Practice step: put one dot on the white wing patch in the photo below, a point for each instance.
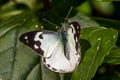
(36, 47)
(59, 63)
(41, 42)
(48, 43)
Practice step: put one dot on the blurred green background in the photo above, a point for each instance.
(104, 12)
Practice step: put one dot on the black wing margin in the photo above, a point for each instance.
(28, 39)
(40, 41)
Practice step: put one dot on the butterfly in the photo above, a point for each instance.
(60, 51)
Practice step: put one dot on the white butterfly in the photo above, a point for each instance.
(60, 51)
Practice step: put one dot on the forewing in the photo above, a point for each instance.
(73, 46)
(73, 35)
(42, 42)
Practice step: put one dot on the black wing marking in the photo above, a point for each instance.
(76, 31)
(40, 41)
(75, 26)
(70, 39)
(28, 39)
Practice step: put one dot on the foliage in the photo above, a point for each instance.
(99, 39)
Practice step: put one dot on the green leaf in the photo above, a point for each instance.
(109, 23)
(85, 8)
(84, 21)
(35, 73)
(101, 40)
(7, 46)
(6, 60)
(104, 8)
(9, 31)
(17, 61)
(113, 57)
(48, 74)
(29, 3)
(8, 10)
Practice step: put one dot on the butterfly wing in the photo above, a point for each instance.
(73, 33)
(56, 55)
(73, 46)
(66, 58)
(42, 42)
(58, 62)
(49, 46)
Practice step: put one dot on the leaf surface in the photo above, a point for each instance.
(101, 40)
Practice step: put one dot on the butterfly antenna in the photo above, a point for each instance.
(49, 22)
(68, 14)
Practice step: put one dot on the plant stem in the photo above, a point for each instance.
(61, 76)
